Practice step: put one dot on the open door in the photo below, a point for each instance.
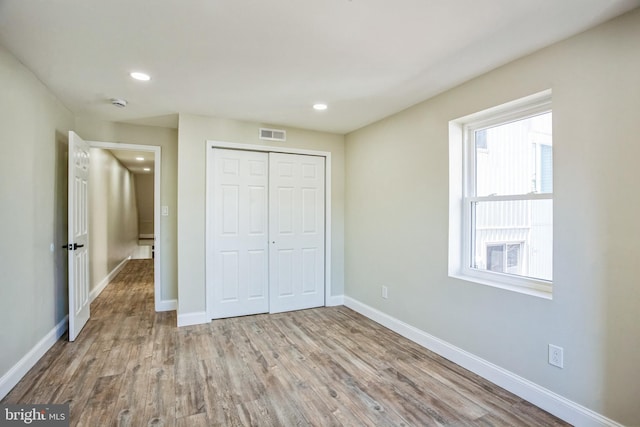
(78, 235)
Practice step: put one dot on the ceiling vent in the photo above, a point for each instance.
(273, 134)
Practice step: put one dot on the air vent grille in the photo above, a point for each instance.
(273, 134)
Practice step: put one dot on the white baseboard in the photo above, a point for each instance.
(196, 318)
(335, 300)
(20, 369)
(167, 305)
(104, 282)
(551, 402)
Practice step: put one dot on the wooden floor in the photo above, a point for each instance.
(325, 367)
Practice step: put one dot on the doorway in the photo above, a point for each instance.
(151, 242)
(268, 227)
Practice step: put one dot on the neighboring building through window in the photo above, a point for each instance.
(546, 170)
(506, 197)
(504, 258)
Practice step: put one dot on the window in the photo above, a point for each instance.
(504, 257)
(501, 230)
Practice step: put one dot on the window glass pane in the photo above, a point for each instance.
(508, 160)
(513, 255)
(513, 237)
(546, 169)
(495, 258)
(513, 259)
(481, 139)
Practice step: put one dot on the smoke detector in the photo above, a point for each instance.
(120, 103)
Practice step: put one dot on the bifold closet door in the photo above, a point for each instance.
(296, 232)
(240, 224)
(268, 232)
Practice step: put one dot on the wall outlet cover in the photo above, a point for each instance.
(556, 356)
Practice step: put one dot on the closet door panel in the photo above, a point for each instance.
(296, 230)
(240, 223)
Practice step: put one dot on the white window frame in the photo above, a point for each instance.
(462, 193)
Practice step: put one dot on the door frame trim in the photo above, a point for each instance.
(211, 144)
(159, 303)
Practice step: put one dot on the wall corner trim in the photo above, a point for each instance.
(335, 300)
(167, 305)
(104, 282)
(557, 405)
(20, 369)
(195, 318)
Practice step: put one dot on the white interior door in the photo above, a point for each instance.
(240, 221)
(78, 235)
(296, 232)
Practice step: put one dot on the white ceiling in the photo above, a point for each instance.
(270, 60)
(129, 160)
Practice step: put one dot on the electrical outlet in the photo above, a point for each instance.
(556, 356)
(385, 292)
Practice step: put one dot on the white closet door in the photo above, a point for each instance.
(296, 232)
(240, 223)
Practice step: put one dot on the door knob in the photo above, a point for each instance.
(72, 247)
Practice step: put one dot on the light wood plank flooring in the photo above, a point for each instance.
(324, 367)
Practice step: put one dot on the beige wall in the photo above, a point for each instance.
(144, 197)
(397, 174)
(194, 131)
(33, 191)
(96, 130)
(113, 228)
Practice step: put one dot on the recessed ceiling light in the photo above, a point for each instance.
(319, 107)
(140, 76)
(147, 169)
(140, 159)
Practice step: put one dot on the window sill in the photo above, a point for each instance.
(544, 294)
